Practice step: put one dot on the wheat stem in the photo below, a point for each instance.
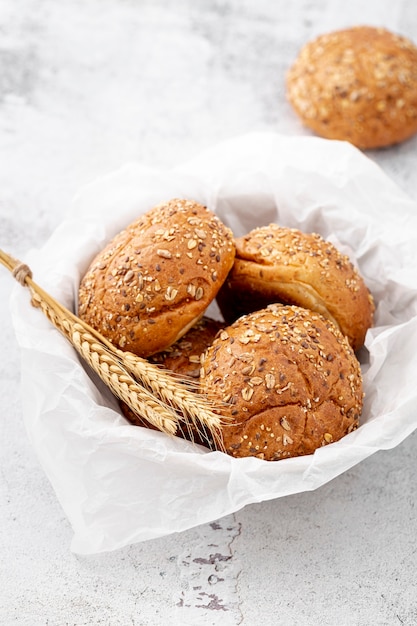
(105, 364)
(164, 401)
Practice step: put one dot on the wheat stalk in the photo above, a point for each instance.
(183, 397)
(165, 401)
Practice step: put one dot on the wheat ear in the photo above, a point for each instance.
(150, 392)
(191, 405)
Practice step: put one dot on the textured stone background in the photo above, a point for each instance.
(85, 86)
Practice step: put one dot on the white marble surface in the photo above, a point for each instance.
(86, 86)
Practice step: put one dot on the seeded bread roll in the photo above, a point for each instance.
(156, 278)
(288, 380)
(358, 85)
(277, 264)
(183, 358)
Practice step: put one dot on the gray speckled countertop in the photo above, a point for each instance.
(85, 86)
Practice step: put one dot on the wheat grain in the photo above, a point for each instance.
(107, 365)
(168, 402)
(123, 385)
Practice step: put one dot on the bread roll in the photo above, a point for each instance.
(156, 278)
(277, 264)
(287, 380)
(184, 356)
(184, 359)
(358, 85)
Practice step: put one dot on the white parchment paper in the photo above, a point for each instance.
(119, 484)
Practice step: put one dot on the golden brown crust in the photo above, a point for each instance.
(288, 380)
(357, 84)
(184, 356)
(155, 279)
(277, 264)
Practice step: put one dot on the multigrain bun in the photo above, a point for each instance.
(184, 356)
(184, 359)
(359, 85)
(156, 278)
(288, 382)
(277, 264)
